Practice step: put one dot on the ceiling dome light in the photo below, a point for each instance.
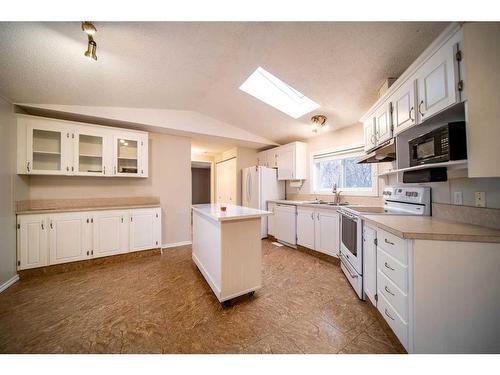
(89, 28)
(318, 122)
(91, 49)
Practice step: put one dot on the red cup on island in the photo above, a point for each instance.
(223, 208)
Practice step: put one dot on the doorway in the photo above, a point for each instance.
(201, 186)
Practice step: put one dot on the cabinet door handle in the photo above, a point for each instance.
(87, 221)
(388, 291)
(51, 226)
(104, 170)
(92, 220)
(72, 169)
(387, 266)
(388, 242)
(87, 253)
(114, 170)
(312, 215)
(28, 166)
(122, 219)
(67, 169)
(419, 110)
(42, 226)
(411, 110)
(386, 313)
(317, 215)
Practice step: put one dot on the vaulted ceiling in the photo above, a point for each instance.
(199, 67)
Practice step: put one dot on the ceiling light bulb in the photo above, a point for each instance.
(318, 122)
(122, 140)
(89, 28)
(91, 49)
(125, 144)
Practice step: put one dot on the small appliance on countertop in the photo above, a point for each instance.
(399, 200)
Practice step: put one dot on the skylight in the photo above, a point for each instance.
(273, 91)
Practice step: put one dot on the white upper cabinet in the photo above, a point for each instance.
(272, 158)
(55, 147)
(437, 83)
(262, 159)
(291, 161)
(403, 107)
(369, 134)
(383, 123)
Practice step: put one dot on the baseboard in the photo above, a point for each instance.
(9, 282)
(175, 244)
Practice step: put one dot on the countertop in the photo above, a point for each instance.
(233, 212)
(309, 204)
(88, 208)
(429, 228)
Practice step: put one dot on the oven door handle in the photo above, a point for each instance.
(346, 264)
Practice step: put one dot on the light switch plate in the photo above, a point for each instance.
(480, 199)
(458, 198)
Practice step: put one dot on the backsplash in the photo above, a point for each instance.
(485, 217)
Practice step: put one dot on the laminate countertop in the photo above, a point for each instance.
(429, 228)
(233, 212)
(88, 208)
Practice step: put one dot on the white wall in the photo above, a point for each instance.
(11, 187)
(169, 178)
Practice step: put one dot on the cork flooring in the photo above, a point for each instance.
(162, 304)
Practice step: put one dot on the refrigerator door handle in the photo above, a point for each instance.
(249, 189)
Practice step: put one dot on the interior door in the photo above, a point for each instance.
(67, 237)
(327, 232)
(370, 263)
(110, 232)
(32, 241)
(404, 114)
(305, 227)
(436, 83)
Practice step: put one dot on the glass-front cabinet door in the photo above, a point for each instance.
(89, 154)
(127, 156)
(46, 147)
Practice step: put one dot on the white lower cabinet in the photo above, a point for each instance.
(318, 230)
(271, 219)
(32, 245)
(370, 263)
(69, 237)
(111, 232)
(47, 239)
(145, 229)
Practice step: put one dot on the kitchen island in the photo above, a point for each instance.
(227, 248)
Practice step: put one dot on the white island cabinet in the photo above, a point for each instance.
(227, 248)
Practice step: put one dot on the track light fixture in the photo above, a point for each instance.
(90, 30)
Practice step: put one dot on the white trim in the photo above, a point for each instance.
(175, 244)
(9, 282)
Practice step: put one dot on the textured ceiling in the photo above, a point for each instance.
(199, 66)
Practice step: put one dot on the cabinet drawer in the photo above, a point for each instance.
(393, 294)
(397, 272)
(398, 326)
(393, 245)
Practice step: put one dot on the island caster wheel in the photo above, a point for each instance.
(251, 294)
(228, 303)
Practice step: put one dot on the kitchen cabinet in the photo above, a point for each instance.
(69, 237)
(327, 232)
(306, 219)
(145, 229)
(437, 82)
(53, 238)
(285, 226)
(383, 123)
(291, 161)
(369, 134)
(226, 183)
(370, 263)
(271, 219)
(57, 147)
(32, 245)
(262, 159)
(111, 232)
(403, 106)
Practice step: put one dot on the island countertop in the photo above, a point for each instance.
(232, 212)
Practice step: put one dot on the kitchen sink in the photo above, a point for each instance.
(328, 203)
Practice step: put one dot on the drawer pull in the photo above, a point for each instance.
(388, 291)
(386, 313)
(387, 266)
(389, 242)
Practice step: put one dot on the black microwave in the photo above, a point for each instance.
(443, 144)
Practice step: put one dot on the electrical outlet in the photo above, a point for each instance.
(458, 198)
(480, 199)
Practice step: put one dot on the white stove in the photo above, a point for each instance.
(397, 201)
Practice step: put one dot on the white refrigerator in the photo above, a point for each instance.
(258, 185)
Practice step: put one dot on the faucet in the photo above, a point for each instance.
(336, 194)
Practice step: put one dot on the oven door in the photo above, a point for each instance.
(350, 240)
